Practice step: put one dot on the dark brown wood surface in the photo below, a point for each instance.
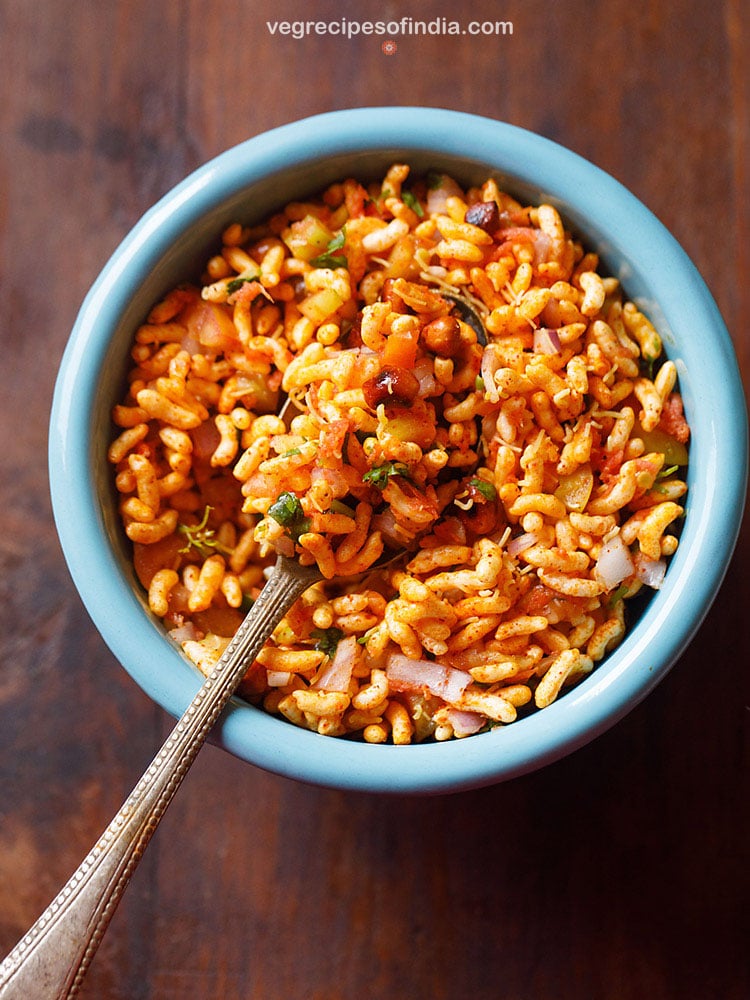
(620, 873)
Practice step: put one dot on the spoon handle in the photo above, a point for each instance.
(50, 961)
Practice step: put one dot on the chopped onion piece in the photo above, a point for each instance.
(524, 541)
(190, 343)
(490, 363)
(614, 564)
(424, 372)
(205, 439)
(650, 571)
(278, 678)
(337, 673)
(438, 196)
(542, 246)
(393, 533)
(546, 341)
(416, 675)
(465, 723)
(187, 632)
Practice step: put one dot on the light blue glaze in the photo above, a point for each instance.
(247, 183)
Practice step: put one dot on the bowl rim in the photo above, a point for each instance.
(715, 500)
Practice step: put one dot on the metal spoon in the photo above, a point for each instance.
(51, 960)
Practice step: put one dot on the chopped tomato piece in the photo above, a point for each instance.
(355, 198)
(149, 559)
(401, 349)
(211, 325)
(254, 682)
(673, 421)
(332, 442)
(222, 620)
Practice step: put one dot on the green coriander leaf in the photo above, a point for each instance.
(487, 490)
(617, 595)
(380, 474)
(236, 283)
(201, 538)
(327, 639)
(339, 507)
(667, 472)
(365, 638)
(287, 511)
(411, 201)
(329, 258)
(338, 240)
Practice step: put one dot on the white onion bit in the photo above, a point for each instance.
(650, 571)
(522, 542)
(614, 564)
(415, 675)
(438, 196)
(465, 723)
(546, 341)
(337, 674)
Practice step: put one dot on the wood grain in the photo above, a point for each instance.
(618, 873)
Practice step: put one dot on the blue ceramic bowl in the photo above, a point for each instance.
(250, 181)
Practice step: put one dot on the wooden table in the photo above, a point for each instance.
(618, 873)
